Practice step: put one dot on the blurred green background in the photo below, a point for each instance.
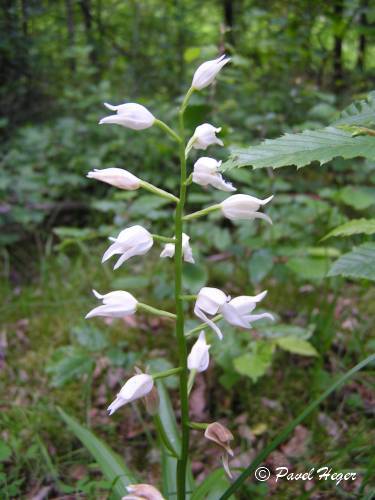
(295, 65)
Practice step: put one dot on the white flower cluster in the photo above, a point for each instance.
(211, 304)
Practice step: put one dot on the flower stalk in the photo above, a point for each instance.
(179, 303)
(160, 192)
(202, 212)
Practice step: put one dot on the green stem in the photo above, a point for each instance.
(166, 373)
(160, 192)
(153, 310)
(181, 342)
(163, 239)
(188, 297)
(199, 426)
(169, 131)
(203, 326)
(191, 380)
(200, 213)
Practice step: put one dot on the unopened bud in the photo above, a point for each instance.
(220, 435)
(142, 492)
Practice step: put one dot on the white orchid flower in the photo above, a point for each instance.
(169, 249)
(209, 301)
(134, 240)
(206, 172)
(129, 115)
(203, 137)
(115, 305)
(237, 311)
(244, 207)
(142, 492)
(136, 387)
(117, 177)
(199, 357)
(207, 72)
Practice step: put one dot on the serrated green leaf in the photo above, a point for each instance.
(356, 226)
(297, 346)
(359, 263)
(302, 149)
(110, 463)
(359, 112)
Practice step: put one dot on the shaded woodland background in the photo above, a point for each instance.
(295, 65)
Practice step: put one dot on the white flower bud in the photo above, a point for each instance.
(244, 207)
(130, 115)
(203, 137)
(117, 177)
(209, 301)
(207, 72)
(169, 249)
(115, 305)
(206, 172)
(199, 357)
(134, 240)
(237, 311)
(136, 387)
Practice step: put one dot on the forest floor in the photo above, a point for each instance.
(48, 358)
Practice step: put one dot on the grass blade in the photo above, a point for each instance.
(289, 428)
(110, 463)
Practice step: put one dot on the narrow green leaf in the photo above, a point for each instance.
(110, 463)
(359, 263)
(168, 421)
(280, 438)
(355, 226)
(297, 346)
(212, 487)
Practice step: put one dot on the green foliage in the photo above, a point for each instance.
(297, 346)
(302, 149)
(355, 226)
(359, 263)
(212, 487)
(309, 146)
(359, 112)
(111, 464)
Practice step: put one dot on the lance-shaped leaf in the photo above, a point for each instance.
(356, 226)
(302, 149)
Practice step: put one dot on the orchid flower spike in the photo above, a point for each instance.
(206, 172)
(237, 311)
(135, 388)
(199, 357)
(244, 207)
(134, 240)
(203, 137)
(129, 115)
(222, 436)
(117, 177)
(169, 249)
(115, 305)
(209, 301)
(142, 492)
(207, 72)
